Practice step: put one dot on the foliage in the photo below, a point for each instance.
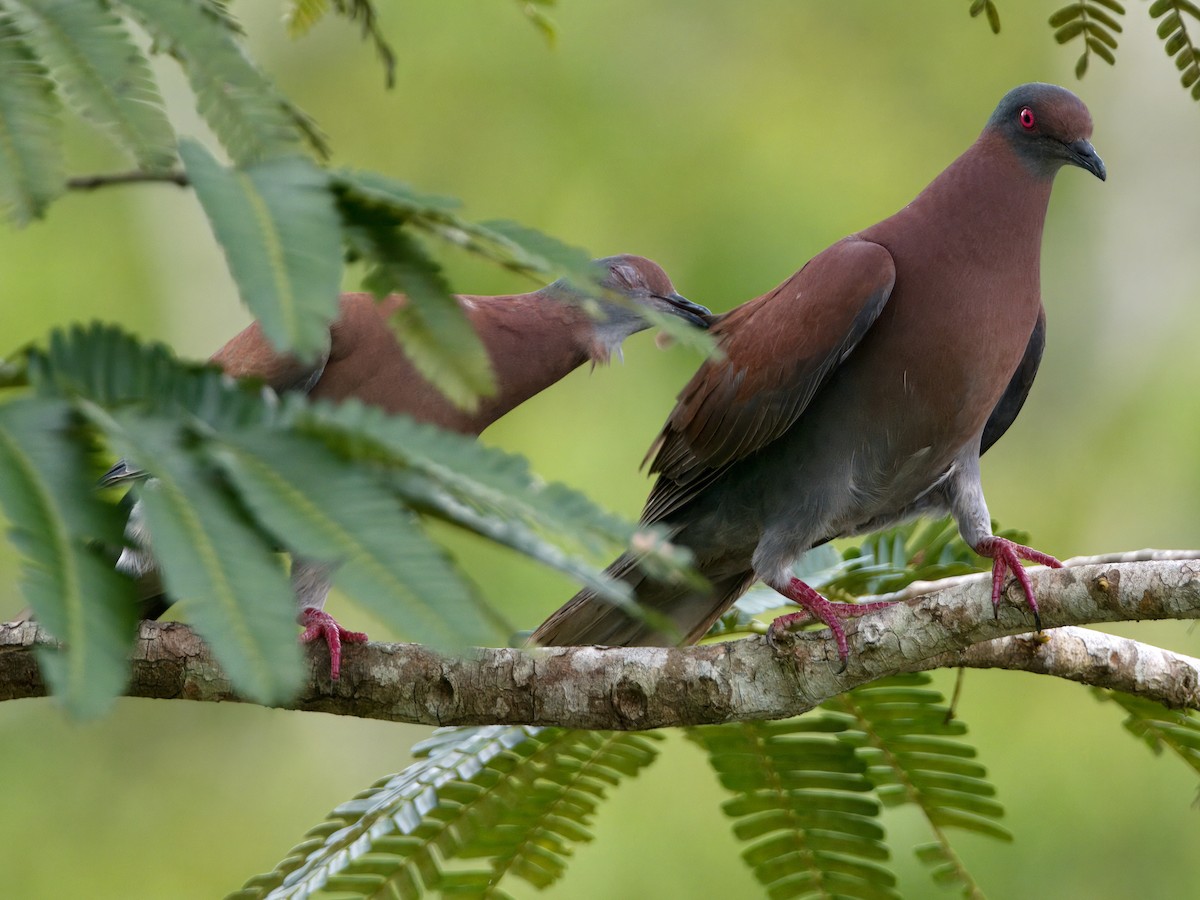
(1159, 728)
(224, 473)
(1095, 23)
(1177, 39)
(800, 805)
(226, 480)
(902, 730)
(808, 793)
(30, 156)
(233, 472)
(993, 15)
(1089, 21)
(77, 592)
(302, 15)
(519, 797)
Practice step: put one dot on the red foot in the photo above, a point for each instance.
(818, 608)
(1006, 556)
(319, 624)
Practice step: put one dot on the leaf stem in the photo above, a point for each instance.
(92, 182)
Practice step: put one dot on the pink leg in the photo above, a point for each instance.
(1006, 556)
(818, 608)
(318, 625)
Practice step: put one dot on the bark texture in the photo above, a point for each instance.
(649, 687)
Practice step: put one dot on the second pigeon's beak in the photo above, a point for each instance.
(1084, 155)
(686, 309)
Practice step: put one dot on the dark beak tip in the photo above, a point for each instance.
(686, 309)
(1087, 158)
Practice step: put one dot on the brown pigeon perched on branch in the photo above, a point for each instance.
(532, 340)
(859, 392)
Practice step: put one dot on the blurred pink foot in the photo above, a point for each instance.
(318, 625)
(1006, 557)
(818, 608)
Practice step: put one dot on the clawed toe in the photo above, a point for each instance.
(817, 608)
(320, 625)
(1006, 557)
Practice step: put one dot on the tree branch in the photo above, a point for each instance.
(919, 588)
(1088, 657)
(91, 182)
(652, 687)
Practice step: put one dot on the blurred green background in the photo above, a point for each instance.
(730, 142)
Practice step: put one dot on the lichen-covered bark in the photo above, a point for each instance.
(648, 687)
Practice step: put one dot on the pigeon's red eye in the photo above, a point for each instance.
(1026, 118)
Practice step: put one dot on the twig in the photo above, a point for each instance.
(91, 182)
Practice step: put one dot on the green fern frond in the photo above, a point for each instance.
(345, 518)
(993, 14)
(239, 103)
(375, 207)
(432, 326)
(1178, 41)
(31, 166)
(232, 481)
(518, 249)
(902, 731)
(802, 805)
(555, 808)
(111, 368)
(1087, 19)
(103, 74)
(1158, 727)
(521, 796)
(57, 522)
(490, 480)
(224, 571)
(391, 817)
(278, 226)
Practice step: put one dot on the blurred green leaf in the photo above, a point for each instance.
(301, 15)
(496, 483)
(278, 227)
(432, 326)
(544, 253)
(327, 510)
(249, 117)
(210, 557)
(1158, 727)
(31, 167)
(57, 522)
(102, 72)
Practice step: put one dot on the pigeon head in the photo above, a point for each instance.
(644, 281)
(1048, 127)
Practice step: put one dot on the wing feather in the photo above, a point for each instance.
(778, 350)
